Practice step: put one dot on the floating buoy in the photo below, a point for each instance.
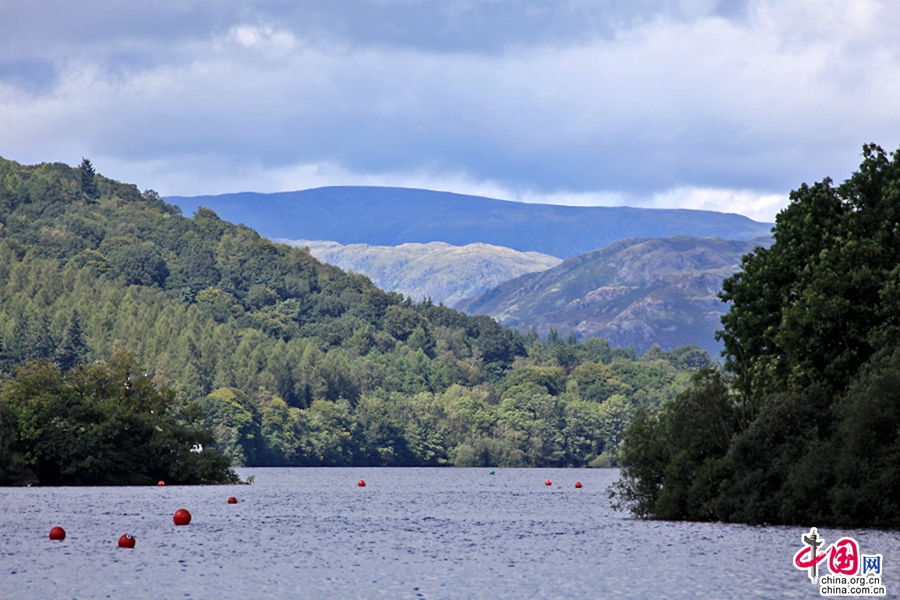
(232, 500)
(548, 482)
(126, 541)
(161, 483)
(578, 484)
(57, 533)
(181, 517)
(362, 483)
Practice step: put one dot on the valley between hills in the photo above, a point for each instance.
(636, 277)
(634, 293)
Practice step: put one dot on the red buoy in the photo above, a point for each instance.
(362, 483)
(181, 517)
(548, 482)
(578, 484)
(232, 500)
(161, 483)
(57, 533)
(126, 541)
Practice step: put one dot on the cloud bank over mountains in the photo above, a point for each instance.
(697, 104)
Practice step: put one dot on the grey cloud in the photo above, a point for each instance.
(537, 96)
(56, 28)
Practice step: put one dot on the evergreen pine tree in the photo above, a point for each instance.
(15, 346)
(553, 338)
(73, 350)
(88, 185)
(4, 356)
(39, 342)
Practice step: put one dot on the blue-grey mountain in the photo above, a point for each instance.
(385, 216)
(635, 292)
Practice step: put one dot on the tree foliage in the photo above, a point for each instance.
(88, 185)
(290, 361)
(99, 424)
(811, 347)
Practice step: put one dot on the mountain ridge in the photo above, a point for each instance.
(439, 271)
(387, 216)
(636, 291)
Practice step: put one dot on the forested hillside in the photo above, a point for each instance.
(804, 428)
(286, 360)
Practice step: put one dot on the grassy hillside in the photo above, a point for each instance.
(394, 216)
(286, 360)
(444, 273)
(636, 292)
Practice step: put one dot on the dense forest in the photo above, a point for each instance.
(804, 425)
(284, 360)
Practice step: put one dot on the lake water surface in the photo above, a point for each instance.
(410, 533)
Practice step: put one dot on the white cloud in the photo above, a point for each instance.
(202, 176)
(758, 206)
(262, 37)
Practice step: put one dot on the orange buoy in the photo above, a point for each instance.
(578, 484)
(126, 541)
(548, 482)
(57, 533)
(181, 517)
(232, 500)
(161, 483)
(362, 483)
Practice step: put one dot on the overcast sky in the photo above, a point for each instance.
(701, 104)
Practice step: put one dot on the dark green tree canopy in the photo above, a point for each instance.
(818, 303)
(812, 412)
(73, 350)
(88, 185)
(100, 424)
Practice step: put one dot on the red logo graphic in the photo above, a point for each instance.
(843, 555)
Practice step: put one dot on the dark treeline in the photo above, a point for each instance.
(804, 427)
(287, 361)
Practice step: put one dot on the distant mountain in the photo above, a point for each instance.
(437, 270)
(385, 216)
(636, 292)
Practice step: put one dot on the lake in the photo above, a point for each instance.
(409, 533)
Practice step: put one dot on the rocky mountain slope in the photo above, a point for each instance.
(437, 270)
(636, 292)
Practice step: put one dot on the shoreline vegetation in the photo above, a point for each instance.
(803, 425)
(283, 360)
(102, 424)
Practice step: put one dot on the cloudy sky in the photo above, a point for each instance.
(724, 105)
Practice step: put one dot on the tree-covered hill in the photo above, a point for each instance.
(291, 361)
(385, 216)
(805, 425)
